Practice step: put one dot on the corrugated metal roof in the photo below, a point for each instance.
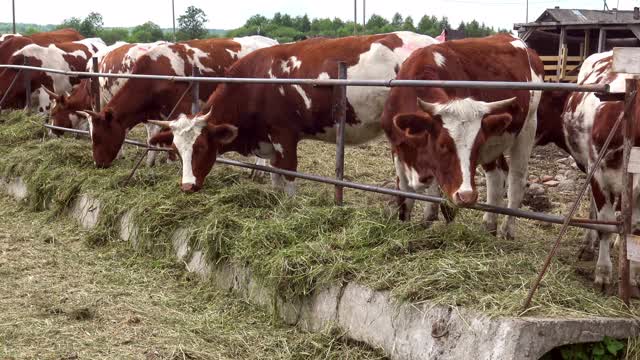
(587, 16)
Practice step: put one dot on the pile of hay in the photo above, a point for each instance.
(297, 244)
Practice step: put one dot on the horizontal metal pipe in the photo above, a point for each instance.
(433, 199)
(581, 223)
(501, 85)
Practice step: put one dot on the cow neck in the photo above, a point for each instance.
(232, 115)
(130, 110)
(550, 127)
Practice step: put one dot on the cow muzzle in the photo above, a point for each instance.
(465, 198)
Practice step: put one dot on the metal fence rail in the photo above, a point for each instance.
(498, 85)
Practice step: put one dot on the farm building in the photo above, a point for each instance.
(565, 37)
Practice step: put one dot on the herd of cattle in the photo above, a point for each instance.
(438, 136)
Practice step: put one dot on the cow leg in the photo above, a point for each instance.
(495, 177)
(255, 174)
(634, 266)
(286, 159)
(606, 212)
(405, 206)
(588, 249)
(431, 210)
(520, 153)
(152, 130)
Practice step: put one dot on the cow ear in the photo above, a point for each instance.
(414, 125)
(496, 124)
(224, 133)
(108, 115)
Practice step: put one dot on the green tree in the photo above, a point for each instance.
(408, 24)
(191, 24)
(146, 33)
(256, 20)
(111, 36)
(376, 23)
(90, 26)
(397, 20)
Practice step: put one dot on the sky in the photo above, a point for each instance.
(232, 14)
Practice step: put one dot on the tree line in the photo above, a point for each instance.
(282, 27)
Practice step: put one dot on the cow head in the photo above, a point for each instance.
(61, 114)
(107, 136)
(447, 139)
(198, 142)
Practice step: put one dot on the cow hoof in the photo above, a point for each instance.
(507, 232)
(491, 228)
(602, 281)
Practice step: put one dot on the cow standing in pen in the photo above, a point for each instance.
(141, 99)
(270, 120)
(580, 126)
(67, 56)
(442, 135)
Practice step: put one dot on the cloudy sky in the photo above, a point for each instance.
(231, 14)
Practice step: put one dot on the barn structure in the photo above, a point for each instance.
(565, 37)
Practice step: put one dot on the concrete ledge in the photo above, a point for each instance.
(403, 331)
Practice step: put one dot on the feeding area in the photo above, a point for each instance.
(297, 245)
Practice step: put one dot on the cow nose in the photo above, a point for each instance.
(466, 197)
(189, 188)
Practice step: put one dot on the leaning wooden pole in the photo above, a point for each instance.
(340, 119)
(95, 85)
(27, 86)
(627, 202)
(195, 93)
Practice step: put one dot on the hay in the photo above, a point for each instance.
(296, 245)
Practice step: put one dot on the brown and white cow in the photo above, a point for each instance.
(141, 99)
(270, 120)
(581, 129)
(442, 135)
(10, 43)
(68, 56)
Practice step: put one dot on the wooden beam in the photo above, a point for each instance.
(635, 29)
(587, 43)
(602, 39)
(562, 46)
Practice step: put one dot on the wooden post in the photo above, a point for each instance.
(561, 53)
(13, 10)
(355, 17)
(195, 92)
(340, 118)
(602, 39)
(587, 43)
(95, 85)
(627, 200)
(27, 86)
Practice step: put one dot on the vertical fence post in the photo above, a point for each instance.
(340, 118)
(627, 189)
(27, 86)
(95, 85)
(195, 92)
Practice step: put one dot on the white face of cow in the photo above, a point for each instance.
(185, 133)
(198, 143)
(454, 142)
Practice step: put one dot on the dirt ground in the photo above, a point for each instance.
(60, 299)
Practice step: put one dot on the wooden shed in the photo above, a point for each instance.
(565, 37)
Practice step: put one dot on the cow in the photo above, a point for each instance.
(69, 56)
(117, 59)
(269, 120)
(140, 99)
(581, 127)
(442, 135)
(10, 43)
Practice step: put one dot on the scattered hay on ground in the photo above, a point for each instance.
(297, 244)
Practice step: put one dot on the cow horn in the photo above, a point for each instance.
(427, 107)
(51, 93)
(498, 106)
(88, 114)
(202, 120)
(162, 123)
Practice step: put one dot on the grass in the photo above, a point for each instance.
(296, 245)
(61, 299)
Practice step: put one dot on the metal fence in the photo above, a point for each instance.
(339, 113)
